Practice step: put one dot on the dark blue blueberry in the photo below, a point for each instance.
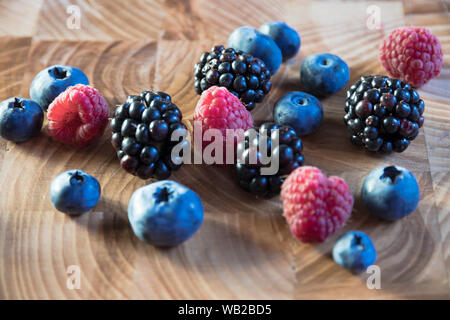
(390, 193)
(74, 192)
(50, 82)
(165, 213)
(286, 38)
(354, 251)
(258, 45)
(299, 110)
(324, 74)
(20, 119)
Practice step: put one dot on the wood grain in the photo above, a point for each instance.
(244, 249)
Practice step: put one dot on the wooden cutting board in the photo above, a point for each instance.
(244, 248)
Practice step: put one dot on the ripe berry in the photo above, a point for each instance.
(383, 114)
(244, 75)
(412, 54)
(219, 109)
(78, 116)
(315, 206)
(288, 153)
(143, 140)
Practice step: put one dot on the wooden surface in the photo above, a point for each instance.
(244, 248)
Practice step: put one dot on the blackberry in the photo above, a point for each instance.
(242, 74)
(141, 134)
(288, 151)
(383, 114)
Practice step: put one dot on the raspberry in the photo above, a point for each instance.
(412, 54)
(78, 115)
(315, 206)
(219, 109)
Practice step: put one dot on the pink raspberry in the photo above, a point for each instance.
(412, 54)
(219, 109)
(315, 206)
(78, 116)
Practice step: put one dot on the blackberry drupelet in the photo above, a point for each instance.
(141, 134)
(383, 114)
(242, 74)
(289, 152)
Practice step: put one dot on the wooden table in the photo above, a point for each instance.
(244, 248)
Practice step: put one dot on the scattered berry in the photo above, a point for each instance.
(383, 114)
(20, 119)
(354, 251)
(286, 38)
(288, 153)
(165, 213)
(219, 109)
(390, 193)
(142, 128)
(324, 74)
(52, 81)
(78, 116)
(74, 192)
(412, 54)
(242, 74)
(315, 206)
(257, 44)
(299, 110)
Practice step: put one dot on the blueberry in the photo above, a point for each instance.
(286, 38)
(20, 119)
(50, 82)
(390, 193)
(258, 45)
(74, 192)
(354, 251)
(299, 110)
(324, 74)
(165, 213)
